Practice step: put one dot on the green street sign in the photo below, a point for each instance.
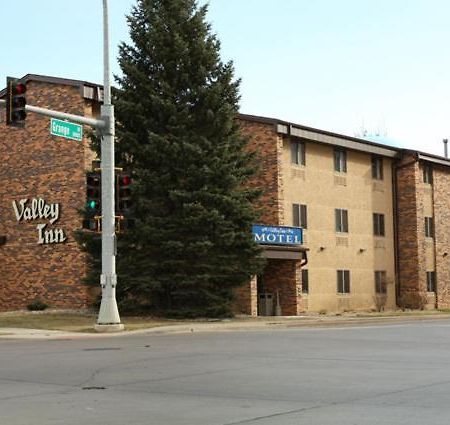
(66, 129)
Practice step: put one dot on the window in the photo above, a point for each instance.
(299, 216)
(378, 224)
(380, 282)
(343, 281)
(340, 160)
(431, 281)
(377, 167)
(305, 281)
(429, 228)
(427, 174)
(341, 217)
(297, 153)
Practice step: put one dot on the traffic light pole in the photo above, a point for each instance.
(108, 318)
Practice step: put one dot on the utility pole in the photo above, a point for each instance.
(108, 318)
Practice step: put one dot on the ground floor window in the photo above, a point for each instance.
(431, 281)
(305, 281)
(380, 282)
(343, 281)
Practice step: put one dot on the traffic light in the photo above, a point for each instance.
(15, 102)
(124, 223)
(93, 192)
(93, 224)
(124, 202)
(93, 202)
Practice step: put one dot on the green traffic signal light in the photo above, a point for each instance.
(92, 204)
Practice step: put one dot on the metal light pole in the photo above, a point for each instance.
(108, 318)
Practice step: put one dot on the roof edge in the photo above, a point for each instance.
(290, 125)
(95, 92)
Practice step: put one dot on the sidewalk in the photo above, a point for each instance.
(237, 324)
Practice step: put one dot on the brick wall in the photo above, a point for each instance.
(268, 146)
(283, 276)
(410, 227)
(246, 298)
(441, 202)
(37, 165)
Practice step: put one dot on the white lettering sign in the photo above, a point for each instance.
(37, 208)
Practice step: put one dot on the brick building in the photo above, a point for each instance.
(43, 187)
(376, 220)
(423, 222)
(325, 183)
(375, 217)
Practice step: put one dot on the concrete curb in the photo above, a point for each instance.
(272, 323)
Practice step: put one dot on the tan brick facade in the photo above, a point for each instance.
(36, 165)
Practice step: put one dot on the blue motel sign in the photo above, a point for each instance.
(277, 235)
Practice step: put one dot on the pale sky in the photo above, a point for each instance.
(342, 66)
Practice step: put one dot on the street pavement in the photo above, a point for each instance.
(391, 373)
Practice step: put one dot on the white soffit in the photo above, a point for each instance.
(335, 141)
(431, 159)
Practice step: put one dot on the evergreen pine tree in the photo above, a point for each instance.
(176, 109)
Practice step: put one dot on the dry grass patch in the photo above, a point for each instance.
(73, 322)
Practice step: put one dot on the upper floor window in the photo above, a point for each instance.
(378, 224)
(427, 174)
(429, 228)
(341, 218)
(343, 281)
(299, 216)
(297, 153)
(431, 281)
(340, 160)
(380, 282)
(377, 167)
(305, 281)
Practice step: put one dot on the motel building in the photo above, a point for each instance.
(345, 224)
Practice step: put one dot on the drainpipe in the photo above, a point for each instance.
(304, 261)
(445, 141)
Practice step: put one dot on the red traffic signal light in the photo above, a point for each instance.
(19, 88)
(124, 180)
(15, 102)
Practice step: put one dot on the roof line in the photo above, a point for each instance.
(55, 80)
(275, 121)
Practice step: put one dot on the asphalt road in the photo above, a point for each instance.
(388, 374)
